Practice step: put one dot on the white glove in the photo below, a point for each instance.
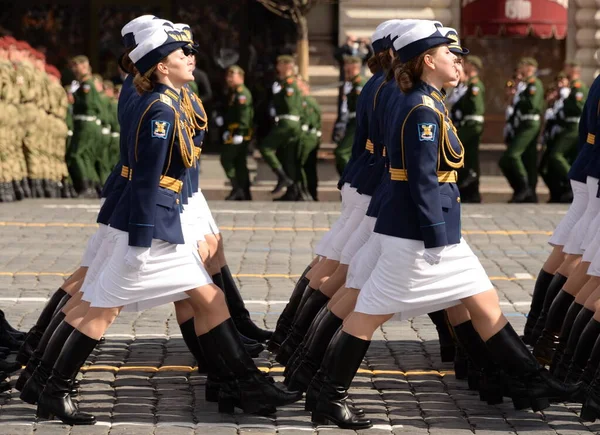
(219, 121)
(276, 88)
(136, 257)
(433, 255)
(458, 114)
(272, 112)
(564, 92)
(305, 127)
(225, 136)
(237, 139)
(105, 130)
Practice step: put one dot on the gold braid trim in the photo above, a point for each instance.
(187, 152)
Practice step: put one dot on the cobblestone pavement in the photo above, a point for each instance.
(141, 380)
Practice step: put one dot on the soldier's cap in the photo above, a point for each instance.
(97, 77)
(108, 84)
(128, 30)
(352, 60)
(418, 38)
(53, 71)
(145, 29)
(118, 87)
(81, 58)
(285, 58)
(528, 61)
(155, 47)
(454, 46)
(572, 63)
(561, 75)
(380, 41)
(192, 48)
(233, 69)
(475, 61)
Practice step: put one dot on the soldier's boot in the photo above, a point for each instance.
(302, 322)
(237, 193)
(49, 188)
(537, 303)
(585, 344)
(247, 193)
(556, 285)
(561, 369)
(292, 194)
(39, 188)
(55, 400)
(444, 335)
(11, 191)
(88, 191)
(523, 192)
(64, 189)
(26, 186)
(546, 345)
(19, 193)
(344, 356)
(282, 180)
(3, 195)
(528, 383)
(286, 318)
(563, 339)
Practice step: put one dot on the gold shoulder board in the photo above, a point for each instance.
(428, 101)
(166, 99)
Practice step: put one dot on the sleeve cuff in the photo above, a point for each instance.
(435, 235)
(140, 235)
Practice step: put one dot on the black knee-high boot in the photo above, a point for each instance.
(591, 370)
(35, 333)
(344, 356)
(301, 377)
(546, 344)
(586, 343)
(284, 323)
(300, 351)
(35, 384)
(237, 308)
(537, 303)
(527, 380)
(445, 338)
(55, 400)
(581, 321)
(188, 332)
(563, 339)
(304, 318)
(555, 286)
(483, 373)
(250, 390)
(34, 361)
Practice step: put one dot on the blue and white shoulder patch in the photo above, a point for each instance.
(160, 129)
(427, 132)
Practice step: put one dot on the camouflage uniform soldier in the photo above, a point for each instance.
(7, 172)
(58, 114)
(352, 88)
(239, 120)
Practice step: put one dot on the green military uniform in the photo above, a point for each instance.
(519, 161)
(344, 149)
(467, 114)
(115, 133)
(309, 142)
(87, 109)
(239, 120)
(287, 101)
(564, 151)
(104, 161)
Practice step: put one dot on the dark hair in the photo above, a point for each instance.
(407, 74)
(374, 64)
(145, 82)
(127, 64)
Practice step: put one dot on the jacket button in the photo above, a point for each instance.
(458, 199)
(177, 201)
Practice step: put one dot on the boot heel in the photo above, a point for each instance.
(319, 419)
(539, 404)
(226, 406)
(521, 403)
(588, 414)
(493, 398)
(44, 414)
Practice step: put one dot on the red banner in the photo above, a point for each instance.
(540, 18)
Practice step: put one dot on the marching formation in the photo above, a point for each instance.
(396, 248)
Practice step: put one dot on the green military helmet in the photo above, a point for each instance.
(561, 75)
(285, 58)
(352, 60)
(573, 63)
(528, 61)
(475, 61)
(79, 59)
(236, 69)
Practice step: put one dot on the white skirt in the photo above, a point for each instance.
(169, 271)
(357, 213)
(580, 230)
(93, 244)
(576, 209)
(358, 239)
(363, 263)
(349, 196)
(592, 247)
(404, 283)
(205, 222)
(100, 261)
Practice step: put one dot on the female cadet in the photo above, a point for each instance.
(111, 194)
(423, 264)
(149, 262)
(322, 267)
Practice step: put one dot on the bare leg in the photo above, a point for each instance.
(363, 326)
(554, 260)
(587, 290)
(335, 281)
(72, 303)
(338, 296)
(324, 272)
(212, 261)
(315, 268)
(183, 311)
(97, 321)
(458, 314)
(210, 308)
(486, 314)
(577, 279)
(569, 264)
(73, 283)
(592, 300)
(345, 306)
